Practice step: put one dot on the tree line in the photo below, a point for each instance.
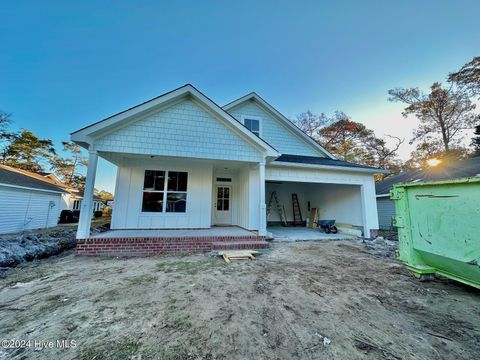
(445, 112)
(25, 150)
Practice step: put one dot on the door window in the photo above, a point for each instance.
(223, 198)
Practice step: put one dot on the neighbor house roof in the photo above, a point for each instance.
(458, 169)
(13, 177)
(253, 96)
(325, 162)
(83, 136)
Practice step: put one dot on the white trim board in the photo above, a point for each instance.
(328, 167)
(33, 189)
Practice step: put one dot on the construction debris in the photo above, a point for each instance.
(37, 244)
(380, 246)
(238, 255)
(326, 340)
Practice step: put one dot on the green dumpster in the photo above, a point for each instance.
(439, 228)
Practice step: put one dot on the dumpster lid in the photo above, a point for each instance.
(439, 182)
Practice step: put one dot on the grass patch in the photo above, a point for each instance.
(82, 317)
(180, 323)
(141, 279)
(22, 276)
(54, 302)
(172, 304)
(111, 294)
(188, 267)
(120, 349)
(175, 352)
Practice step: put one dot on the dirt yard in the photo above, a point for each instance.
(306, 300)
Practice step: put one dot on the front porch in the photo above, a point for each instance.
(145, 242)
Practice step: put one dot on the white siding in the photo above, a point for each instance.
(386, 211)
(274, 132)
(342, 203)
(22, 209)
(184, 129)
(127, 212)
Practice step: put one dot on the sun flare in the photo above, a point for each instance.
(434, 162)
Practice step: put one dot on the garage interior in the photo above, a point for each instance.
(339, 202)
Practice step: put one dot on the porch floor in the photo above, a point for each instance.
(281, 233)
(216, 231)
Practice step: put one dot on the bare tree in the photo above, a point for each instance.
(311, 123)
(443, 113)
(468, 76)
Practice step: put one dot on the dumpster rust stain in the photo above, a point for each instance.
(430, 196)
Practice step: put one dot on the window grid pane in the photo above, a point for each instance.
(253, 125)
(152, 201)
(154, 195)
(176, 202)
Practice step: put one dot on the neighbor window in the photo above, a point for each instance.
(164, 191)
(253, 125)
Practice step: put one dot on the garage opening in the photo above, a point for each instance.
(339, 202)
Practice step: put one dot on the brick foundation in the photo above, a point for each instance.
(147, 246)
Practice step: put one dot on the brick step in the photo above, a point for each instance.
(237, 238)
(240, 245)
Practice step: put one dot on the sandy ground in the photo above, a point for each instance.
(306, 300)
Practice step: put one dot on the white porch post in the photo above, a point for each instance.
(86, 211)
(262, 224)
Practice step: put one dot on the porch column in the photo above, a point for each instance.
(369, 209)
(262, 224)
(86, 210)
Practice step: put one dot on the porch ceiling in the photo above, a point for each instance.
(121, 159)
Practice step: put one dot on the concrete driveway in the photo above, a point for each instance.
(280, 233)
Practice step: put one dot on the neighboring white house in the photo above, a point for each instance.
(73, 199)
(27, 202)
(184, 162)
(386, 206)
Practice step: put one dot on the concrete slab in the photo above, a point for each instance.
(280, 233)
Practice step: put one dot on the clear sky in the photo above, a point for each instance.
(66, 64)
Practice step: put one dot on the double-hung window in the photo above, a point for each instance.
(253, 125)
(165, 191)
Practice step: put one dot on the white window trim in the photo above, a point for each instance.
(165, 193)
(260, 132)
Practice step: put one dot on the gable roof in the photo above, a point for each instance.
(324, 162)
(83, 136)
(278, 115)
(25, 179)
(458, 169)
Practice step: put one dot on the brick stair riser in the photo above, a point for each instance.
(153, 246)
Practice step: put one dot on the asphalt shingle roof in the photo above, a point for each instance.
(459, 169)
(11, 176)
(315, 160)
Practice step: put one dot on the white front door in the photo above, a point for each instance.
(223, 205)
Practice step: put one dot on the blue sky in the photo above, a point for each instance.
(66, 64)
